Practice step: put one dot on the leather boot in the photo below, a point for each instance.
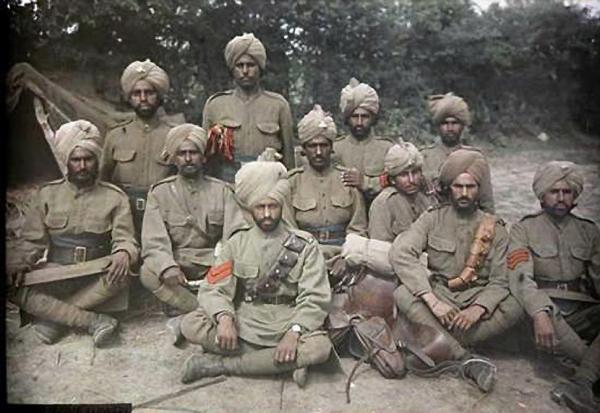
(94, 294)
(256, 363)
(48, 332)
(300, 376)
(481, 371)
(199, 366)
(577, 395)
(102, 329)
(174, 330)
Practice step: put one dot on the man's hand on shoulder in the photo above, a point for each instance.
(119, 267)
(286, 349)
(353, 178)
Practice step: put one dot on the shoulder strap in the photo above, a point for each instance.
(480, 248)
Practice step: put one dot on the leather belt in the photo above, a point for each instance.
(574, 285)
(76, 254)
(137, 197)
(279, 299)
(332, 235)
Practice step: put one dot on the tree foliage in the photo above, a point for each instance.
(533, 65)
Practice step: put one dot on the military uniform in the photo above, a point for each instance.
(446, 237)
(265, 120)
(435, 155)
(326, 208)
(133, 159)
(302, 298)
(75, 225)
(184, 220)
(555, 266)
(392, 212)
(366, 156)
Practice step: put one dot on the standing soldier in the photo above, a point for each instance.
(187, 214)
(322, 205)
(463, 293)
(79, 220)
(241, 123)
(263, 303)
(361, 152)
(554, 264)
(132, 153)
(405, 199)
(450, 115)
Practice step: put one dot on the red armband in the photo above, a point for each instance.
(220, 272)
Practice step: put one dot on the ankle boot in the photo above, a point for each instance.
(48, 332)
(199, 366)
(102, 329)
(481, 371)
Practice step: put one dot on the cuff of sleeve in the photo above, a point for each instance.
(166, 264)
(214, 314)
(130, 249)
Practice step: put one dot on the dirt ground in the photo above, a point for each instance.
(142, 365)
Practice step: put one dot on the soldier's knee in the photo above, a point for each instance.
(314, 349)
(149, 279)
(196, 327)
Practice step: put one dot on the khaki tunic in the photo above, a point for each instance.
(392, 212)
(184, 220)
(558, 251)
(265, 120)
(253, 252)
(60, 208)
(435, 155)
(446, 237)
(366, 156)
(132, 156)
(322, 203)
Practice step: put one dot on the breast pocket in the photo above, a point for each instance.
(304, 204)
(545, 259)
(125, 170)
(440, 253)
(214, 224)
(581, 256)
(269, 131)
(179, 227)
(245, 270)
(56, 223)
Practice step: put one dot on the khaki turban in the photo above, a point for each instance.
(448, 105)
(316, 123)
(245, 44)
(461, 161)
(258, 180)
(358, 95)
(180, 134)
(401, 157)
(552, 172)
(79, 133)
(147, 71)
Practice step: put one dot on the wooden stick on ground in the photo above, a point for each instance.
(179, 392)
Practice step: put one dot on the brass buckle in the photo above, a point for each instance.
(140, 204)
(324, 235)
(562, 286)
(80, 254)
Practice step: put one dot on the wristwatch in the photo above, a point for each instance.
(296, 328)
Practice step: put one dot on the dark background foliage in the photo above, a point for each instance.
(530, 67)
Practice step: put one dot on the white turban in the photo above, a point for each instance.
(401, 157)
(358, 95)
(147, 71)
(448, 105)
(316, 123)
(551, 172)
(79, 133)
(245, 44)
(182, 133)
(258, 180)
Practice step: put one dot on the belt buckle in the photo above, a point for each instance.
(140, 204)
(562, 286)
(80, 254)
(248, 298)
(324, 235)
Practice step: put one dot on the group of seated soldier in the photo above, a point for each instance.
(265, 249)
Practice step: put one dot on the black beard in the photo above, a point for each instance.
(146, 113)
(464, 210)
(557, 212)
(450, 140)
(267, 224)
(361, 133)
(82, 179)
(190, 171)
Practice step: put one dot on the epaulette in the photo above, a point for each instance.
(585, 219)
(122, 122)
(111, 186)
(441, 205)
(221, 93)
(469, 148)
(163, 181)
(306, 236)
(218, 181)
(55, 182)
(295, 171)
(386, 138)
(275, 96)
(388, 192)
(340, 138)
(534, 214)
